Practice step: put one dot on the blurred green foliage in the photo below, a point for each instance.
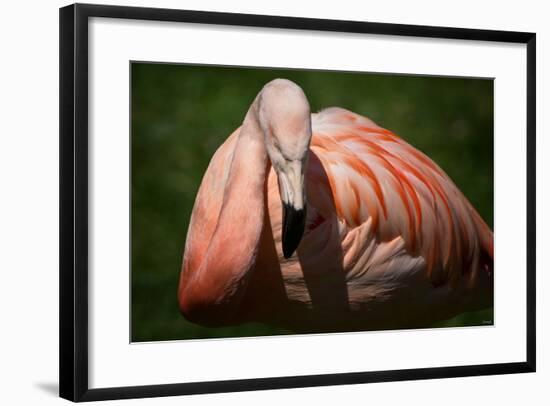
(181, 114)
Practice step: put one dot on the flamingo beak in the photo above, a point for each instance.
(294, 221)
(291, 185)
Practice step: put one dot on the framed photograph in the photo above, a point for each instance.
(256, 202)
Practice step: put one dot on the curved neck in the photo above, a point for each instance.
(242, 211)
(224, 270)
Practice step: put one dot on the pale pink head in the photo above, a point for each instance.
(285, 119)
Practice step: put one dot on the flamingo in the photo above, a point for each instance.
(327, 222)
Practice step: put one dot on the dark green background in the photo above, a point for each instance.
(181, 114)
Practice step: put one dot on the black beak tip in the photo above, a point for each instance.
(287, 251)
(294, 221)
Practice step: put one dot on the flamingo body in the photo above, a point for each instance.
(389, 240)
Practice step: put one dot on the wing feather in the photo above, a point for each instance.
(381, 183)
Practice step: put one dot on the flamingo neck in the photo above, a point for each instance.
(233, 248)
(242, 213)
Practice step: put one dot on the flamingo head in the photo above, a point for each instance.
(285, 120)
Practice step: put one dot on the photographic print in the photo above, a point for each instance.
(280, 201)
(219, 208)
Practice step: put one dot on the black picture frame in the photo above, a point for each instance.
(73, 253)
